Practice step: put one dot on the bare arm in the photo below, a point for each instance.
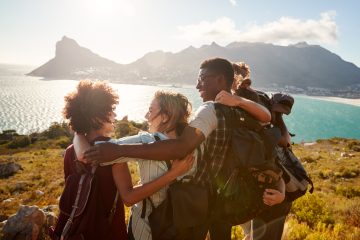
(80, 145)
(131, 195)
(285, 139)
(256, 110)
(159, 150)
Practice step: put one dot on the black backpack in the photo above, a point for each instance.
(249, 168)
(295, 176)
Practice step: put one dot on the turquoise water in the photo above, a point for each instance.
(30, 104)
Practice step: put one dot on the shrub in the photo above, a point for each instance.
(19, 142)
(348, 192)
(312, 210)
(352, 214)
(297, 231)
(57, 130)
(125, 128)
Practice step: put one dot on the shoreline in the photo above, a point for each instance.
(349, 101)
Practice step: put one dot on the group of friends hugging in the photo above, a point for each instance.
(195, 148)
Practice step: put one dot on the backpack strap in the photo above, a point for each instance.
(143, 209)
(306, 177)
(74, 207)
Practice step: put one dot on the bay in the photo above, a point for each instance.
(29, 104)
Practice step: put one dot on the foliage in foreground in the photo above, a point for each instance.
(332, 212)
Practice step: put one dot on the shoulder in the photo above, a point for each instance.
(205, 118)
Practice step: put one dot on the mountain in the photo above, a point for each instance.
(300, 67)
(73, 61)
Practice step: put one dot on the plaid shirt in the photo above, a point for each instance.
(211, 154)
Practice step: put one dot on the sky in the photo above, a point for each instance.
(125, 30)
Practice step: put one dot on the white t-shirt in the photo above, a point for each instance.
(205, 118)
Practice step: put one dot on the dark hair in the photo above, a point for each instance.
(89, 106)
(220, 66)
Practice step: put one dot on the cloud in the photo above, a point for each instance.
(283, 31)
(233, 2)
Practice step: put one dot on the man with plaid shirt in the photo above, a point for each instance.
(207, 132)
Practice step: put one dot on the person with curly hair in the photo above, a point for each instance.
(89, 111)
(167, 117)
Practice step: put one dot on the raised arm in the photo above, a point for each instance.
(256, 110)
(159, 150)
(131, 195)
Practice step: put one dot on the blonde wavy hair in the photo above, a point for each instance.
(241, 72)
(176, 107)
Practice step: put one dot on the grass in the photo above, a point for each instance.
(332, 212)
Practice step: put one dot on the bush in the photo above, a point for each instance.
(57, 130)
(352, 214)
(19, 142)
(311, 209)
(348, 192)
(297, 231)
(63, 142)
(125, 128)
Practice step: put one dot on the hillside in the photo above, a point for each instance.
(298, 68)
(331, 212)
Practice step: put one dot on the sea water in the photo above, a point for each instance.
(29, 104)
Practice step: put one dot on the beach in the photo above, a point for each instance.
(354, 102)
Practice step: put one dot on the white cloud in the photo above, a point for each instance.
(233, 2)
(285, 30)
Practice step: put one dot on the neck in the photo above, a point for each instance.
(171, 134)
(93, 134)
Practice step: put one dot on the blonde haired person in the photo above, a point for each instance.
(167, 117)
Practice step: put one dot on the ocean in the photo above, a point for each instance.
(29, 104)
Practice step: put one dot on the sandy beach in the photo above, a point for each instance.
(354, 102)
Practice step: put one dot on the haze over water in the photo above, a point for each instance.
(30, 104)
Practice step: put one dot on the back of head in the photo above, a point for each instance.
(89, 106)
(220, 66)
(241, 73)
(176, 107)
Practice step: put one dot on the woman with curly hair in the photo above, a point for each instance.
(89, 111)
(167, 116)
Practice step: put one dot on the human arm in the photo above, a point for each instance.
(275, 196)
(256, 110)
(131, 195)
(81, 144)
(285, 139)
(158, 150)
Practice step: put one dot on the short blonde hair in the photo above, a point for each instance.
(176, 107)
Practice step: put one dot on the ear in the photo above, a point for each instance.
(164, 118)
(221, 82)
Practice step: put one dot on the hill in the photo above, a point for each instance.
(298, 68)
(331, 212)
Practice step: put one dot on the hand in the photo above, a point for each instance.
(272, 197)
(182, 166)
(227, 98)
(104, 152)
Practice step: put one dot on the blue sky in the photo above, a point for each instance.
(124, 30)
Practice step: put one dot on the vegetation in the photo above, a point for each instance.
(331, 212)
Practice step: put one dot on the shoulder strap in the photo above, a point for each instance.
(74, 207)
(143, 209)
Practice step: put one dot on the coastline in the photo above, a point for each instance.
(349, 101)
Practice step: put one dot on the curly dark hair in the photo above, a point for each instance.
(89, 106)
